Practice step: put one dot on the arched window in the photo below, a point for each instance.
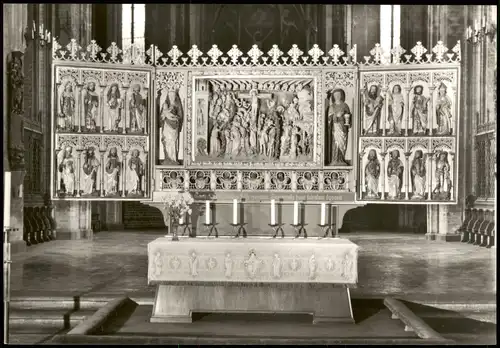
(133, 23)
(390, 27)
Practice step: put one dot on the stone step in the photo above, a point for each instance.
(37, 319)
(56, 303)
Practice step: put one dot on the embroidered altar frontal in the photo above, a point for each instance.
(253, 260)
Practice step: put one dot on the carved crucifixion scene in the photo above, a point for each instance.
(254, 120)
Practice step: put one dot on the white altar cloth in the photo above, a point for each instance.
(252, 260)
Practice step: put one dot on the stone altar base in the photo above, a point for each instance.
(259, 275)
(176, 303)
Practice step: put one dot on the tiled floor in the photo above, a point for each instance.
(402, 265)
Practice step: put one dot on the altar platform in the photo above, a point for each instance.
(256, 275)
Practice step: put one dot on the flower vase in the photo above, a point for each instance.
(174, 225)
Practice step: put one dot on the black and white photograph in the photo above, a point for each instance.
(249, 174)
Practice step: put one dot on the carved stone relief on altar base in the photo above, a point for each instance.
(340, 94)
(101, 101)
(413, 103)
(261, 120)
(171, 101)
(173, 180)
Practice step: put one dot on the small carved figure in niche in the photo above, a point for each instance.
(419, 111)
(294, 143)
(254, 102)
(338, 127)
(245, 139)
(292, 111)
(235, 139)
(67, 170)
(114, 102)
(373, 106)
(113, 170)
(276, 266)
(313, 266)
(253, 138)
(418, 172)
(202, 147)
(286, 139)
(137, 110)
(396, 107)
(134, 182)
(395, 171)
(264, 137)
(443, 111)
(228, 266)
(90, 166)
(91, 106)
(67, 104)
(272, 134)
(254, 181)
(215, 143)
(200, 120)
(372, 174)
(309, 143)
(17, 83)
(442, 189)
(171, 117)
(200, 180)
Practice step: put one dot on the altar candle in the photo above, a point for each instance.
(295, 213)
(323, 214)
(476, 25)
(181, 219)
(235, 211)
(207, 216)
(6, 200)
(273, 212)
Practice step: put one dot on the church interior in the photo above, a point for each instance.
(298, 174)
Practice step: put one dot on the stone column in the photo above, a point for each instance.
(407, 107)
(124, 175)
(386, 111)
(73, 219)
(430, 169)
(450, 220)
(408, 175)
(430, 110)
(382, 174)
(78, 170)
(125, 110)
(15, 19)
(114, 215)
(361, 176)
(79, 109)
(102, 151)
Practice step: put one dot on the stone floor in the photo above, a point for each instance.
(402, 265)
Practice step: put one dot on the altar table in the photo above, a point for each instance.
(258, 275)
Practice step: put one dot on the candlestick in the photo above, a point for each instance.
(299, 228)
(6, 200)
(277, 228)
(323, 213)
(211, 228)
(295, 213)
(207, 214)
(273, 212)
(235, 211)
(239, 229)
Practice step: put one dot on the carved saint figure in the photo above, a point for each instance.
(418, 172)
(215, 144)
(396, 107)
(135, 173)
(395, 170)
(294, 143)
(286, 139)
(228, 266)
(113, 169)
(443, 111)
(419, 111)
(443, 180)
(254, 103)
(171, 117)
(114, 108)
(338, 127)
(276, 266)
(91, 106)
(372, 174)
(137, 110)
(90, 166)
(373, 107)
(67, 170)
(17, 83)
(235, 139)
(67, 105)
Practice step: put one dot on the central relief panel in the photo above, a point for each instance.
(266, 119)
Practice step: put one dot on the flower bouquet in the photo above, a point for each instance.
(176, 205)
